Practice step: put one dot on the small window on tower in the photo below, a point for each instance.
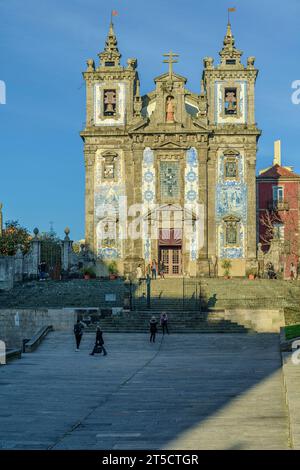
(230, 169)
(109, 64)
(230, 101)
(110, 102)
(231, 233)
(230, 61)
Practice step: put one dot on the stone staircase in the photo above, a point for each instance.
(179, 322)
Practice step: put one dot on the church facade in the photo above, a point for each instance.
(171, 175)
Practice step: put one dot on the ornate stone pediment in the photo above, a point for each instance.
(231, 153)
(169, 145)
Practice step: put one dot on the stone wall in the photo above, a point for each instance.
(6, 272)
(18, 324)
(20, 267)
(261, 321)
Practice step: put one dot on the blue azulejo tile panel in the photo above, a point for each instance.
(231, 201)
(149, 195)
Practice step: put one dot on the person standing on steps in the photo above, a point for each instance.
(154, 269)
(162, 269)
(293, 272)
(78, 332)
(164, 322)
(139, 274)
(99, 343)
(153, 329)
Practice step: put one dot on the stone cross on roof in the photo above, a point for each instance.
(170, 61)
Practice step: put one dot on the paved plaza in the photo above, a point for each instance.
(183, 392)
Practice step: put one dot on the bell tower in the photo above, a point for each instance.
(230, 89)
(112, 102)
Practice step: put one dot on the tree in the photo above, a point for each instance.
(269, 220)
(13, 236)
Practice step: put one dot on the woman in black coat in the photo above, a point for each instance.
(153, 329)
(99, 344)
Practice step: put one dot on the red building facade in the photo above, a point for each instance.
(278, 193)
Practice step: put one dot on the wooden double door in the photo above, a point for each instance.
(172, 258)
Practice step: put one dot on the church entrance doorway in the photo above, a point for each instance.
(170, 250)
(171, 257)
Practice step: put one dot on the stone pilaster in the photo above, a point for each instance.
(90, 229)
(66, 251)
(251, 218)
(18, 266)
(35, 254)
(211, 197)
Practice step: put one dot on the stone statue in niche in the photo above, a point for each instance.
(230, 101)
(170, 109)
(110, 102)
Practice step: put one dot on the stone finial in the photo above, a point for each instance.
(36, 232)
(208, 62)
(67, 233)
(229, 38)
(230, 55)
(251, 61)
(90, 65)
(132, 63)
(111, 55)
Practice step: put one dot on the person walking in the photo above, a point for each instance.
(148, 270)
(162, 269)
(78, 332)
(154, 269)
(164, 322)
(293, 272)
(139, 274)
(99, 343)
(153, 329)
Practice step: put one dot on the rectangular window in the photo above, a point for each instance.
(230, 61)
(230, 101)
(230, 169)
(231, 234)
(169, 180)
(278, 193)
(279, 232)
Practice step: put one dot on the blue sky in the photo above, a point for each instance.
(44, 45)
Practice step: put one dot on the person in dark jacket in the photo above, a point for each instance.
(153, 329)
(162, 269)
(164, 322)
(99, 344)
(78, 332)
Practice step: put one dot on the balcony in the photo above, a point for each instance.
(278, 206)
